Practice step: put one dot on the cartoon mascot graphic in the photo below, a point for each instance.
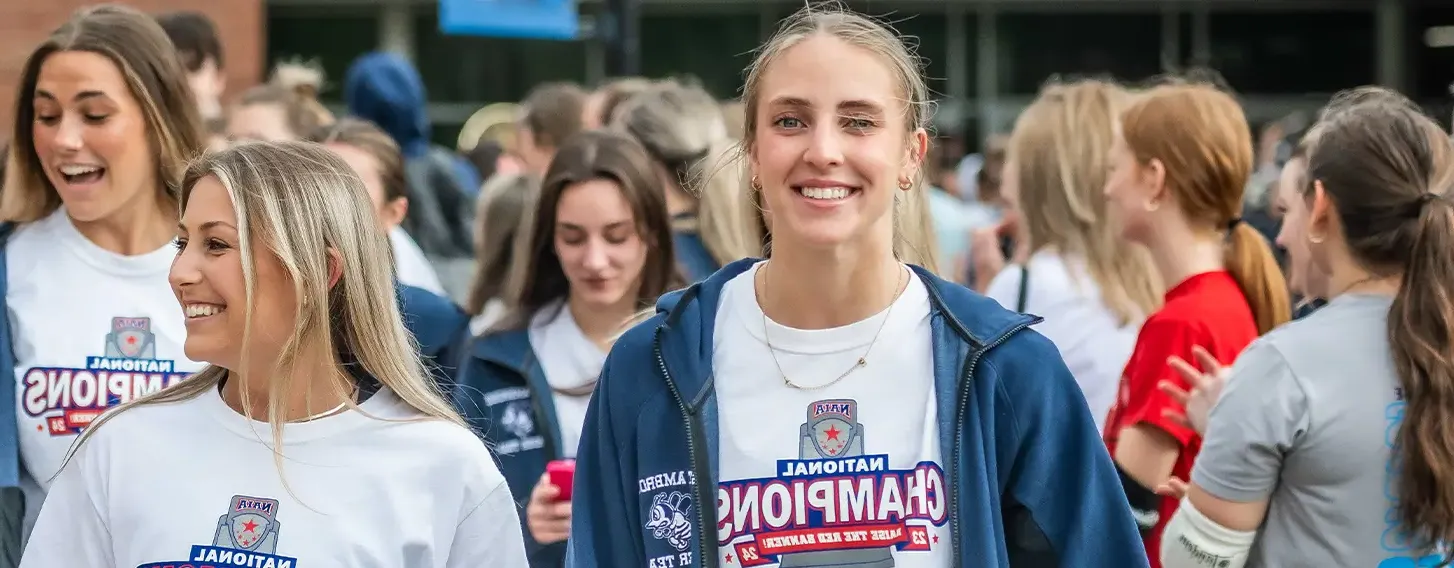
(669, 519)
(832, 431)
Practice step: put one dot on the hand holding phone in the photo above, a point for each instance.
(562, 475)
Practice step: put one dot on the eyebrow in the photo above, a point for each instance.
(858, 105)
(83, 95)
(207, 225)
(616, 225)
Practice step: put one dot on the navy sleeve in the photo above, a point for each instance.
(439, 327)
(602, 532)
(1063, 504)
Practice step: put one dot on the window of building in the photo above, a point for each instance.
(1035, 47)
(1291, 53)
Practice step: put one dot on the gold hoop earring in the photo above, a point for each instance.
(1152, 206)
(906, 184)
(756, 185)
(1315, 239)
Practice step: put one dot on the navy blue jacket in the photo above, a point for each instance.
(503, 394)
(695, 261)
(1030, 481)
(439, 327)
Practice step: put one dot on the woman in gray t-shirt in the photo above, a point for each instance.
(1305, 460)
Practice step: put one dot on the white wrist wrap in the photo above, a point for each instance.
(1191, 540)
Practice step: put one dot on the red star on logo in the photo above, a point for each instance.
(936, 539)
(131, 339)
(729, 558)
(833, 432)
(249, 526)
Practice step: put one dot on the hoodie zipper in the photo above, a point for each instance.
(954, 492)
(701, 474)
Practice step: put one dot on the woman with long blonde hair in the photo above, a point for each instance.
(313, 437)
(104, 126)
(752, 417)
(1093, 287)
(683, 129)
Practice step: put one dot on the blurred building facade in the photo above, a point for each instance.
(25, 23)
(986, 58)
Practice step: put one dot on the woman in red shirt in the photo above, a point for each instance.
(1182, 156)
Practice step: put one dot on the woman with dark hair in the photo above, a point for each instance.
(1330, 444)
(595, 250)
(104, 127)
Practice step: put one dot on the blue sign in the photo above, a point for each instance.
(528, 19)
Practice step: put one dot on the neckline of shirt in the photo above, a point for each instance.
(856, 335)
(375, 408)
(145, 264)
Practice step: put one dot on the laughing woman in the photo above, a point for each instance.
(313, 437)
(104, 127)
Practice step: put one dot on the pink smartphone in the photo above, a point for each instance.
(562, 474)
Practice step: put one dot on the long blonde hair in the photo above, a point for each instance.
(683, 129)
(300, 202)
(913, 231)
(1059, 149)
(148, 61)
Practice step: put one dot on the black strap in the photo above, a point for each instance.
(1145, 503)
(1024, 288)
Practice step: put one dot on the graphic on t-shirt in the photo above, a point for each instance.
(246, 537)
(1403, 551)
(835, 505)
(670, 521)
(70, 398)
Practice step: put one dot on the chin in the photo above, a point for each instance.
(602, 299)
(205, 350)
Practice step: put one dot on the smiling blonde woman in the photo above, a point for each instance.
(313, 437)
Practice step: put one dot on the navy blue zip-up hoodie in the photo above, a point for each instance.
(503, 394)
(1030, 481)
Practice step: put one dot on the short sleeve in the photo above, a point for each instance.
(489, 534)
(71, 529)
(1259, 419)
(1142, 402)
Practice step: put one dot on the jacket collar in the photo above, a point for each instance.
(509, 348)
(686, 333)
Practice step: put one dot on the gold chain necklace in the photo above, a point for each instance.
(862, 361)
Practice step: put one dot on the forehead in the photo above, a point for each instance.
(208, 201)
(826, 71)
(355, 157)
(593, 202)
(66, 73)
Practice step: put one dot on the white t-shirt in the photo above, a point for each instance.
(91, 329)
(570, 361)
(194, 483)
(845, 475)
(1095, 346)
(410, 264)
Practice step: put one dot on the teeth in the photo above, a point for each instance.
(203, 310)
(79, 170)
(825, 192)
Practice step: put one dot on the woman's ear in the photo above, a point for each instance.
(335, 267)
(1156, 173)
(393, 212)
(1320, 211)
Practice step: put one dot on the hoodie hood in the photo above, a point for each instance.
(384, 88)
